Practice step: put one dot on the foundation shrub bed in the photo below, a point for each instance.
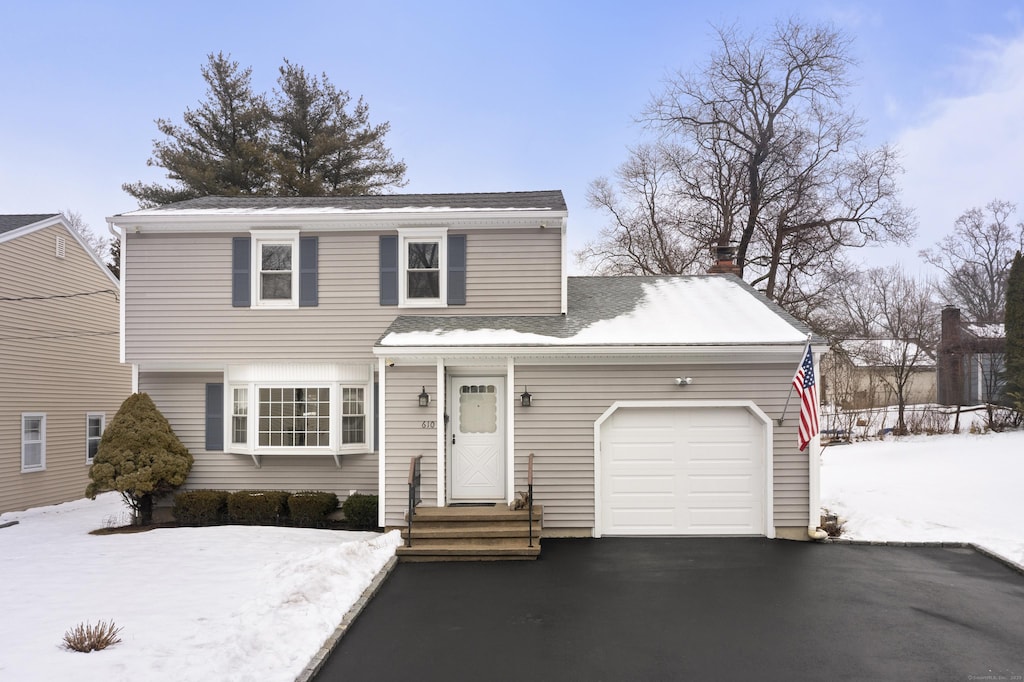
(258, 507)
(310, 508)
(200, 507)
(360, 511)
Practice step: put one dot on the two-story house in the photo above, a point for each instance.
(60, 378)
(322, 343)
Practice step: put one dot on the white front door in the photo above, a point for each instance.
(478, 438)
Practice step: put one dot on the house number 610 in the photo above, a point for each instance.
(429, 425)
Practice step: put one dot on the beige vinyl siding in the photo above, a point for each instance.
(58, 357)
(559, 428)
(181, 398)
(406, 438)
(178, 296)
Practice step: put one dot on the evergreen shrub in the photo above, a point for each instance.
(258, 507)
(361, 511)
(310, 508)
(200, 507)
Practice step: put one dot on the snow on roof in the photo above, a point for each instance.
(885, 352)
(705, 310)
(547, 200)
(987, 331)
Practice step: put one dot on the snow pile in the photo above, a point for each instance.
(960, 488)
(224, 603)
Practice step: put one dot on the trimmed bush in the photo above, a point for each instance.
(361, 511)
(310, 508)
(258, 507)
(139, 456)
(200, 507)
(85, 637)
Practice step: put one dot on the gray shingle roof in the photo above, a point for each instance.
(549, 199)
(14, 221)
(590, 300)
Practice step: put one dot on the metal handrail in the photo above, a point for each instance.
(414, 495)
(529, 493)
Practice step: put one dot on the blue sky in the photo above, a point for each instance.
(495, 96)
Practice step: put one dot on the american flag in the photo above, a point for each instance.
(803, 382)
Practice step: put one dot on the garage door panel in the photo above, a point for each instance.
(645, 520)
(722, 485)
(722, 521)
(682, 471)
(642, 485)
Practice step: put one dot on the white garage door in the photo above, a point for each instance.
(682, 471)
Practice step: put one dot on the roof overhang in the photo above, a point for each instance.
(213, 220)
(633, 354)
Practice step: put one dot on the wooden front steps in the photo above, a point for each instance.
(471, 534)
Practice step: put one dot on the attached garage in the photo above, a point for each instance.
(683, 468)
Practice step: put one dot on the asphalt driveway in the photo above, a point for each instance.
(695, 609)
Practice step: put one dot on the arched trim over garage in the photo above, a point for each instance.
(748, 405)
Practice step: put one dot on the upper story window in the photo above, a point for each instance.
(423, 276)
(275, 269)
(94, 424)
(33, 442)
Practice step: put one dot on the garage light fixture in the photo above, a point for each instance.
(684, 381)
(424, 398)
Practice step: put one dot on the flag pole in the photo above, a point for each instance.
(786, 406)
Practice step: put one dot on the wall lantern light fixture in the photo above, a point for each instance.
(424, 398)
(526, 399)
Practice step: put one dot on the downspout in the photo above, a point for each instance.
(120, 295)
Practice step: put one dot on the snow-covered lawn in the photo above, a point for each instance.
(966, 488)
(223, 603)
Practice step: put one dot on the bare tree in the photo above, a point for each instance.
(975, 259)
(98, 244)
(897, 339)
(765, 154)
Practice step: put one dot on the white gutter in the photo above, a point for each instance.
(221, 221)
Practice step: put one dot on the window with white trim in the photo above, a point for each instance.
(353, 415)
(294, 417)
(275, 269)
(240, 416)
(299, 418)
(33, 442)
(94, 424)
(423, 278)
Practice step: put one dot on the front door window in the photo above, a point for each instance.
(478, 409)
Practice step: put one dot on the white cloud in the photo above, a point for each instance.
(968, 149)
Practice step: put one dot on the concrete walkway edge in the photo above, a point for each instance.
(984, 551)
(331, 643)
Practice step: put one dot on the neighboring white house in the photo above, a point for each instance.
(62, 380)
(322, 343)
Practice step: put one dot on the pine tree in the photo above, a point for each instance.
(222, 148)
(1015, 331)
(139, 456)
(321, 148)
(306, 141)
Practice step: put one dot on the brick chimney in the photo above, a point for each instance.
(950, 377)
(725, 260)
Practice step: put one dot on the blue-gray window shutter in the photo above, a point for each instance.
(241, 260)
(214, 417)
(457, 269)
(388, 270)
(308, 256)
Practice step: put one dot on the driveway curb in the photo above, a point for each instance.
(331, 643)
(984, 551)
